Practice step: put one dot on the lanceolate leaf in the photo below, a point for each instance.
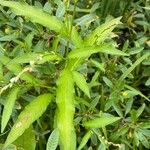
(81, 82)
(87, 51)
(31, 113)
(100, 122)
(36, 57)
(102, 32)
(16, 69)
(65, 111)
(10, 147)
(8, 107)
(137, 92)
(26, 140)
(85, 139)
(34, 14)
(130, 69)
(53, 140)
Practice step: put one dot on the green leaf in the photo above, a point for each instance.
(36, 57)
(130, 69)
(87, 51)
(1, 71)
(140, 110)
(148, 82)
(26, 140)
(8, 37)
(81, 82)
(53, 140)
(102, 32)
(99, 65)
(47, 7)
(16, 69)
(102, 147)
(86, 19)
(147, 7)
(145, 125)
(65, 110)
(137, 92)
(28, 40)
(48, 57)
(108, 82)
(8, 107)
(85, 139)
(60, 10)
(76, 38)
(10, 147)
(34, 14)
(143, 140)
(31, 113)
(136, 139)
(25, 58)
(100, 122)
(128, 106)
(122, 131)
(117, 108)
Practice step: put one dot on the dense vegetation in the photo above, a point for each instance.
(75, 74)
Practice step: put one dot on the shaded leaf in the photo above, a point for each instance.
(86, 19)
(53, 140)
(148, 82)
(130, 69)
(140, 110)
(128, 106)
(85, 139)
(143, 140)
(60, 10)
(135, 91)
(117, 108)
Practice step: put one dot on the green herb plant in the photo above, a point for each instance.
(62, 79)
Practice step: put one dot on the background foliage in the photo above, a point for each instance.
(32, 60)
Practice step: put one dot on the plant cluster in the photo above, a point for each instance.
(74, 74)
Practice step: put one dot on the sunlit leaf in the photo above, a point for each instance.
(87, 51)
(81, 82)
(100, 122)
(102, 32)
(8, 107)
(26, 140)
(65, 110)
(31, 113)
